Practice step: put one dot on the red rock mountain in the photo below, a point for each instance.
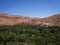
(6, 19)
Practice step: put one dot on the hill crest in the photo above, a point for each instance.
(6, 19)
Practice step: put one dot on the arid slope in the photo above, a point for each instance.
(6, 19)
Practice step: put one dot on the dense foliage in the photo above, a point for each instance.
(29, 35)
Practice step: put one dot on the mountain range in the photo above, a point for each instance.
(6, 19)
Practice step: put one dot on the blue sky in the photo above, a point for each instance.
(31, 8)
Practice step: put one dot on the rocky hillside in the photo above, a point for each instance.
(6, 19)
(55, 19)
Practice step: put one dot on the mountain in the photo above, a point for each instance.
(6, 19)
(55, 19)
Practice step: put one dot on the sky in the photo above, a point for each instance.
(30, 8)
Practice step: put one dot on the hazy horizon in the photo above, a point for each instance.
(30, 8)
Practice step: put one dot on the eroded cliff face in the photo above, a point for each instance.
(6, 19)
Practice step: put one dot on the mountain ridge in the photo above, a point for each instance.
(6, 19)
